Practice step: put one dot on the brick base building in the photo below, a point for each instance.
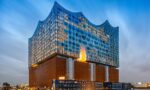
(54, 68)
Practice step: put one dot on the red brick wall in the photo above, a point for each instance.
(100, 73)
(54, 68)
(113, 74)
(60, 68)
(81, 71)
(43, 74)
(32, 77)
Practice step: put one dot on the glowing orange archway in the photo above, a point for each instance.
(82, 56)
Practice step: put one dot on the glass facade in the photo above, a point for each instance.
(64, 32)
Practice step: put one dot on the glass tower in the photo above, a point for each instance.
(65, 33)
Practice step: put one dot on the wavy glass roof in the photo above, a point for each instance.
(56, 5)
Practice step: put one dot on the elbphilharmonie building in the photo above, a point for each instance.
(66, 45)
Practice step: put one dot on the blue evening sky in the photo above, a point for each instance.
(19, 18)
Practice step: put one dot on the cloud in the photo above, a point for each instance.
(12, 70)
(19, 20)
(134, 57)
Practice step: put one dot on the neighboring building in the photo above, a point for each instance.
(66, 45)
